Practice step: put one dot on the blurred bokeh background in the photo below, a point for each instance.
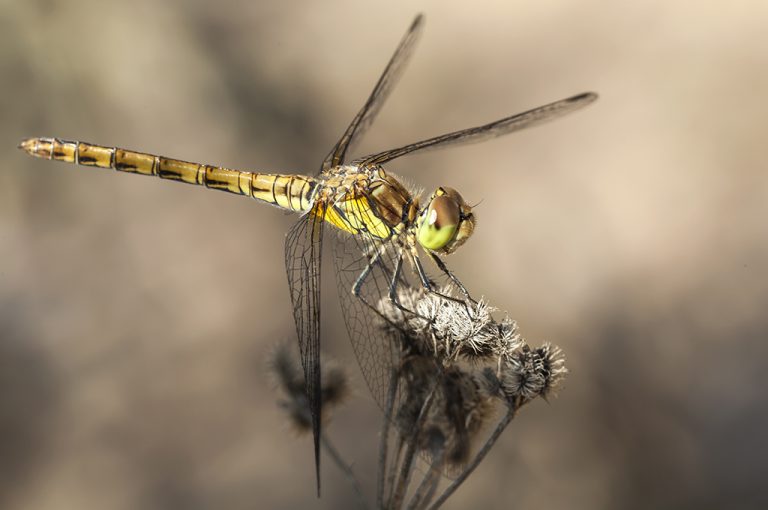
(136, 314)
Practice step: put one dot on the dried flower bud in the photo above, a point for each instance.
(289, 378)
(448, 328)
(553, 361)
(456, 362)
(458, 409)
(529, 373)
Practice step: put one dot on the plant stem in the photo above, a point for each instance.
(426, 489)
(511, 410)
(383, 446)
(407, 466)
(345, 468)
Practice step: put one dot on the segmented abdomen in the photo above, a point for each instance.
(292, 192)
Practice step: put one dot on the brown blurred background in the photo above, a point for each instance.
(135, 314)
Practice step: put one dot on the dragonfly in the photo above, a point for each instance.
(379, 225)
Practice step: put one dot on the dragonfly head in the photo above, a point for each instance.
(445, 223)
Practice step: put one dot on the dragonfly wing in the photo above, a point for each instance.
(398, 378)
(481, 133)
(365, 267)
(302, 262)
(404, 378)
(367, 113)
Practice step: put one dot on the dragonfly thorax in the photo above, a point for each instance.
(367, 201)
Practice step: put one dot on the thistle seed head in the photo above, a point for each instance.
(528, 373)
(289, 379)
(450, 329)
(457, 362)
(457, 411)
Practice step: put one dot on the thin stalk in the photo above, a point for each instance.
(432, 489)
(426, 489)
(392, 468)
(345, 468)
(407, 465)
(511, 410)
(384, 446)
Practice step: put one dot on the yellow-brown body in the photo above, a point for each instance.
(352, 199)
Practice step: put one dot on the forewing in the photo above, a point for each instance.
(302, 262)
(481, 133)
(370, 109)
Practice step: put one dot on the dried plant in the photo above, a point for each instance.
(457, 367)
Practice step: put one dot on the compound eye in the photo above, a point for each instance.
(439, 223)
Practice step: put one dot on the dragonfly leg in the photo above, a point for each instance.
(441, 265)
(393, 283)
(425, 281)
(394, 299)
(376, 258)
(428, 285)
(395, 278)
(393, 296)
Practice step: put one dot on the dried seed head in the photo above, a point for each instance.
(289, 378)
(335, 384)
(449, 329)
(510, 339)
(458, 408)
(465, 410)
(287, 372)
(415, 379)
(455, 328)
(553, 361)
(521, 375)
(488, 382)
(457, 361)
(433, 441)
(528, 373)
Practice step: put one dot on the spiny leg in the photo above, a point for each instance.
(367, 270)
(395, 278)
(393, 282)
(425, 281)
(429, 286)
(375, 260)
(393, 294)
(441, 265)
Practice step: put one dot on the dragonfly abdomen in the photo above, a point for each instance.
(291, 192)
